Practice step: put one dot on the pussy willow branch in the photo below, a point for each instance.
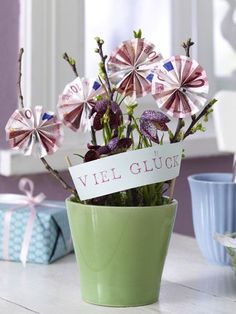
(72, 63)
(57, 176)
(179, 126)
(103, 57)
(201, 114)
(186, 45)
(19, 77)
(53, 172)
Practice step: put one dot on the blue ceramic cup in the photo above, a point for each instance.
(214, 211)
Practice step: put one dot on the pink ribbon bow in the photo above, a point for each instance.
(27, 187)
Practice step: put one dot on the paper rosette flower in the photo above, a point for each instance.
(130, 65)
(180, 86)
(34, 131)
(76, 102)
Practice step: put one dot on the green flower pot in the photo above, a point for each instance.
(121, 251)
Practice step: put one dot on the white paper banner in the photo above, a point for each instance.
(127, 170)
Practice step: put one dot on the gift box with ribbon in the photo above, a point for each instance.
(32, 229)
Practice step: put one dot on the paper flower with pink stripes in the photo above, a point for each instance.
(180, 86)
(34, 131)
(76, 102)
(130, 65)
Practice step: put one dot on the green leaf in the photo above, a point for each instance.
(130, 109)
(79, 155)
(161, 140)
(138, 34)
(99, 97)
(171, 135)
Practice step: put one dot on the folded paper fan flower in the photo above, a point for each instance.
(180, 86)
(34, 131)
(130, 65)
(76, 102)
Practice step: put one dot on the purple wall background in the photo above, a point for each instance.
(9, 14)
(9, 19)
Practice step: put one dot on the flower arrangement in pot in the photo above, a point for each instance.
(228, 241)
(120, 217)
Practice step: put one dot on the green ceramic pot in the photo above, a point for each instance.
(120, 251)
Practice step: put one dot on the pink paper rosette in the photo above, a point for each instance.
(130, 66)
(76, 102)
(180, 86)
(34, 131)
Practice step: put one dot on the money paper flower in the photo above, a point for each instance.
(180, 86)
(34, 131)
(76, 102)
(130, 65)
(150, 122)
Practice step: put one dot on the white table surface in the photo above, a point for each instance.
(189, 285)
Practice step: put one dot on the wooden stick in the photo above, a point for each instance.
(69, 164)
(171, 191)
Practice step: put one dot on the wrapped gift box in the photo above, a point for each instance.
(50, 238)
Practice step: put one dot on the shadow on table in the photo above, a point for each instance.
(221, 284)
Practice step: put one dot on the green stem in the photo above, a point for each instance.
(179, 127)
(104, 136)
(141, 136)
(93, 135)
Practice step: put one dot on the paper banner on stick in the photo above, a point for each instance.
(127, 170)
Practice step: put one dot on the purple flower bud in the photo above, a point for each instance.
(91, 155)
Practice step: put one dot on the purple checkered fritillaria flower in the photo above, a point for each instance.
(114, 146)
(114, 114)
(150, 122)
